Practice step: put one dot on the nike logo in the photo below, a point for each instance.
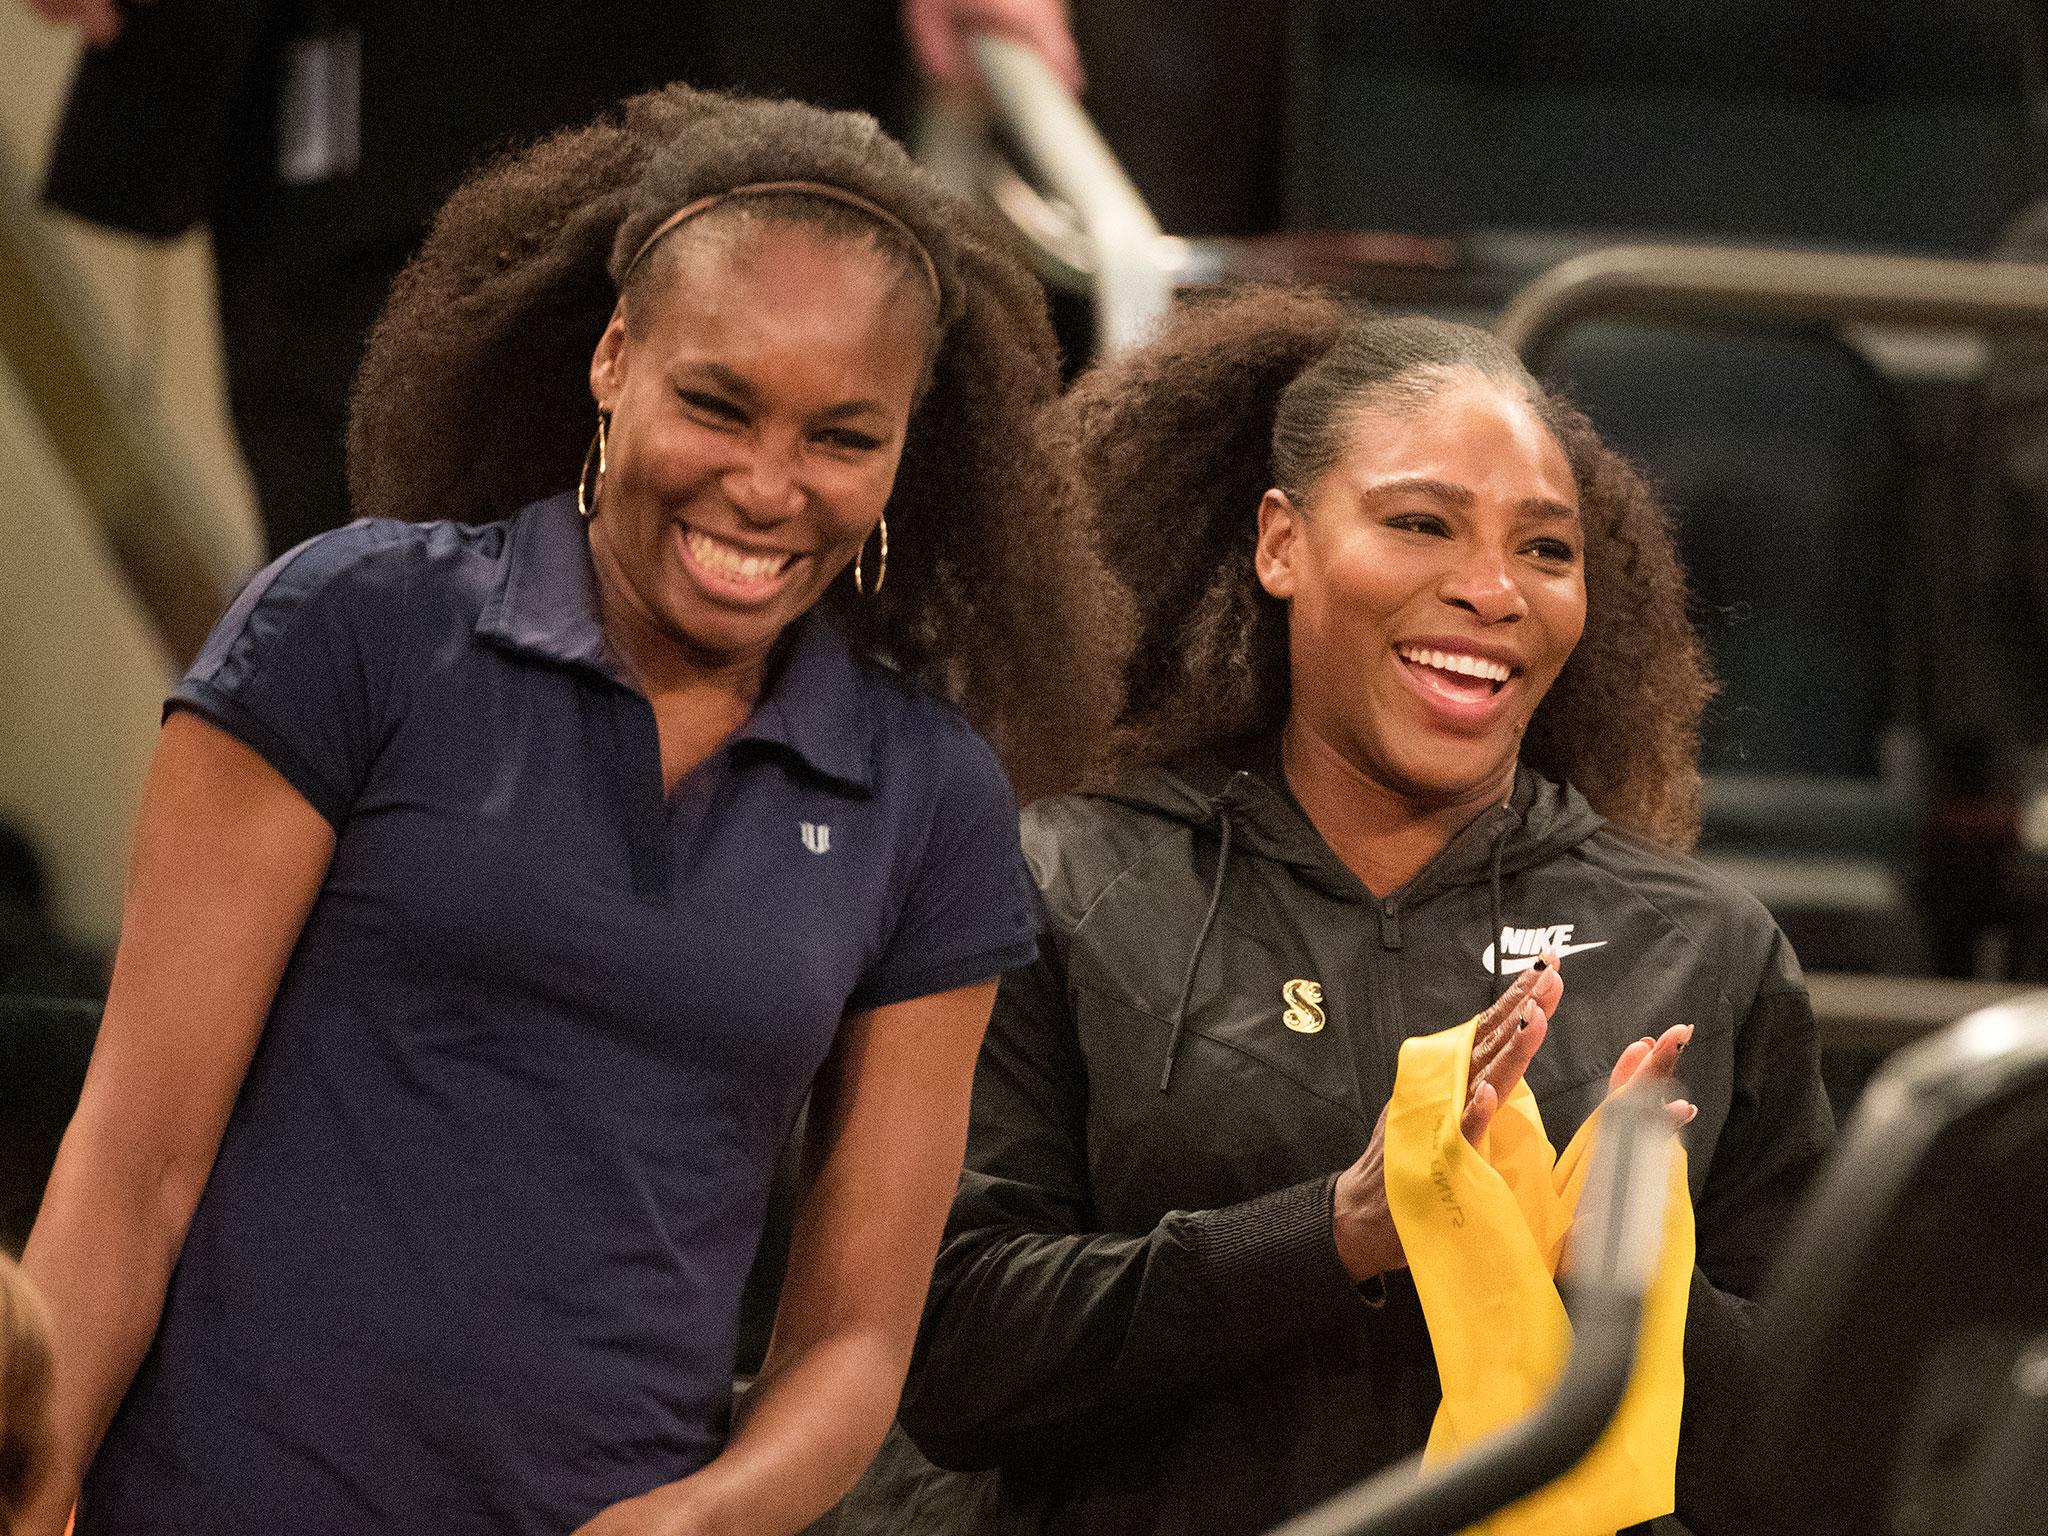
(1521, 948)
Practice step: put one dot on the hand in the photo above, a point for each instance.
(1650, 1061)
(1503, 1044)
(939, 29)
(1655, 1061)
(98, 21)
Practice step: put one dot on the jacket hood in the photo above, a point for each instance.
(1540, 820)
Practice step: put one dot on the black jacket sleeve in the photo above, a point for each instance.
(1040, 1330)
(1778, 1130)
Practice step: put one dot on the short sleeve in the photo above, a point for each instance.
(970, 913)
(300, 667)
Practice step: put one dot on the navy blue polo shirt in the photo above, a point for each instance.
(471, 1254)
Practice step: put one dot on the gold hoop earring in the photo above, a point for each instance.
(586, 488)
(881, 564)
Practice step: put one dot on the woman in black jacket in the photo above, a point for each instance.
(1412, 704)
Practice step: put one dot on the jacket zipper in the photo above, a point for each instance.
(1386, 992)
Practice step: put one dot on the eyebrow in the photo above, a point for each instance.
(738, 385)
(1459, 496)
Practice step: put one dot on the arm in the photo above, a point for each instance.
(1777, 1132)
(228, 859)
(1044, 1332)
(888, 1122)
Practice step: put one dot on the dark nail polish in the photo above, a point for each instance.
(1681, 1049)
(1540, 965)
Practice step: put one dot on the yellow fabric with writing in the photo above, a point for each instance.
(1483, 1228)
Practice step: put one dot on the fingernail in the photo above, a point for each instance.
(1540, 965)
(1681, 1049)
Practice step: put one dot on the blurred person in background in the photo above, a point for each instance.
(316, 137)
(1413, 707)
(503, 886)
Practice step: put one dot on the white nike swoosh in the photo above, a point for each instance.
(1515, 963)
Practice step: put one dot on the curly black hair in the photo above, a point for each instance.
(1169, 449)
(474, 396)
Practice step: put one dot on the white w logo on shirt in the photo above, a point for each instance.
(817, 835)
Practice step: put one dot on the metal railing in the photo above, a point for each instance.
(1110, 240)
(1874, 1015)
(1726, 282)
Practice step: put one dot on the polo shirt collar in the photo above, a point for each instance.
(814, 700)
(545, 604)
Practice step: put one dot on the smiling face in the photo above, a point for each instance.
(759, 394)
(1435, 581)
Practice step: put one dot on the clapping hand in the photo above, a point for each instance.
(1503, 1044)
(1655, 1061)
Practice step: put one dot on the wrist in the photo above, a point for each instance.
(1362, 1227)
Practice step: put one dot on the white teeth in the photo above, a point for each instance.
(1456, 661)
(725, 559)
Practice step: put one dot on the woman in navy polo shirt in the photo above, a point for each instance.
(502, 886)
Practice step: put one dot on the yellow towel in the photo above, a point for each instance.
(1483, 1228)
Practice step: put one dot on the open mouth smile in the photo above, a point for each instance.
(1464, 683)
(733, 571)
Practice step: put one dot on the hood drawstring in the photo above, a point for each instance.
(1187, 985)
(1225, 827)
(1500, 848)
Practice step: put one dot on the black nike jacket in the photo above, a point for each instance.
(1138, 1316)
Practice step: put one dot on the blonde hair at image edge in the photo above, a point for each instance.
(24, 1392)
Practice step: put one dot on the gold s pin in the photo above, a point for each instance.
(1304, 1000)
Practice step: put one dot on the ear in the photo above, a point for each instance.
(1279, 544)
(608, 362)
